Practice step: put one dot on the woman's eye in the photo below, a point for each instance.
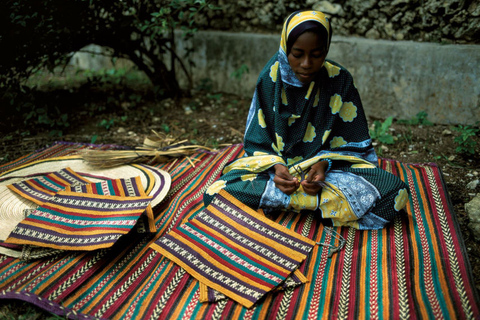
(318, 55)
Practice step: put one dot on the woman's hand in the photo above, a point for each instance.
(316, 173)
(284, 180)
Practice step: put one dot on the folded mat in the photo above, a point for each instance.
(25, 187)
(415, 268)
(42, 189)
(235, 250)
(85, 217)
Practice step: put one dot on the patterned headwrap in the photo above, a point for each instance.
(296, 24)
(301, 21)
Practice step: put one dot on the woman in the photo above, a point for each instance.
(306, 141)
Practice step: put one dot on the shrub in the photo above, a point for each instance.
(45, 34)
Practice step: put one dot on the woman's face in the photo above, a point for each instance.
(307, 56)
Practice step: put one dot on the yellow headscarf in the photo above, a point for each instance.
(299, 17)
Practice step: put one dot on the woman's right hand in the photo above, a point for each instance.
(284, 181)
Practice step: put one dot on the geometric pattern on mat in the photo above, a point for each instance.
(14, 208)
(235, 250)
(415, 268)
(84, 217)
(44, 188)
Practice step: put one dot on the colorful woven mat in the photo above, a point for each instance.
(235, 250)
(43, 176)
(84, 217)
(42, 189)
(416, 268)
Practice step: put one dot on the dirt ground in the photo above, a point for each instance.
(214, 119)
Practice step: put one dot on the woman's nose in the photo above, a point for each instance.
(306, 62)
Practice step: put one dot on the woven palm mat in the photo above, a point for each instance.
(416, 268)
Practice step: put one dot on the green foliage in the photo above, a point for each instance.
(7, 138)
(5, 158)
(52, 103)
(105, 76)
(165, 128)
(419, 119)
(46, 117)
(407, 136)
(237, 74)
(465, 142)
(215, 97)
(45, 34)
(107, 124)
(380, 131)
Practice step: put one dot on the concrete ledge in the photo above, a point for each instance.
(396, 79)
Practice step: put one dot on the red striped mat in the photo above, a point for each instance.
(416, 268)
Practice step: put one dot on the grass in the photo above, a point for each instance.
(71, 77)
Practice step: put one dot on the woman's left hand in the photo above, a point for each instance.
(315, 174)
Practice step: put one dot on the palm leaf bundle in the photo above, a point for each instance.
(157, 148)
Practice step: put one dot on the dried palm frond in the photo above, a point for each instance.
(157, 148)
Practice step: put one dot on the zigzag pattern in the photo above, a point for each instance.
(317, 288)
(70, 281)
(125, 285)
(288, 218)
(191, 306)
(168, 292)
(154, 278)
(373, 276)
(457, 276)
(307, 225)
(400, 268)
(250, 312)
(180, 184)
(427, 262)
(88, 220)
(48, 273)
(284, 304)
(238, 251)
(219, 307)
(346, 278)
(111, 274)
(31, 274)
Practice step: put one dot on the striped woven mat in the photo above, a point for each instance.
(416, 268)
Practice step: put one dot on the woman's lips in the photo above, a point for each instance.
(304, 76)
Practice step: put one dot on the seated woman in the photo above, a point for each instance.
(307, 145)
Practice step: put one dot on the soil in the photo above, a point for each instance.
(214, 119)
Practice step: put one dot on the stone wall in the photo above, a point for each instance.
(440, 21)
(394, 78)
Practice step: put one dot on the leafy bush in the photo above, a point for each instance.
(419, 119)
(380, 131)
(45, 34)
(466, 144)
